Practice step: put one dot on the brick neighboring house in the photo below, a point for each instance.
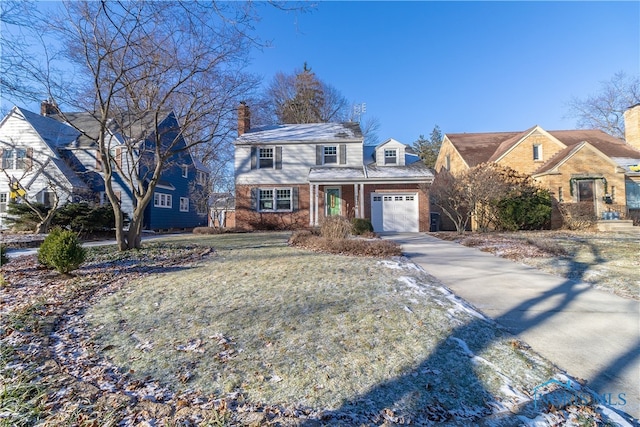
(587, 166)
(293, 176)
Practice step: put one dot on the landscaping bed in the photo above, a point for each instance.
(608, 260)
(246, 330)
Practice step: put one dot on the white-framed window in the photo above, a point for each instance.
(447, 162)
(14, 158)
(185, 171)
(275, 199)
(162, 200)
(184, 204)
(201, 177)
(537, 152)
(330, 154)
(390, 157)
(4, 198)
(265, 158)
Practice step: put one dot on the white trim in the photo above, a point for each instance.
(166, 187)
(274, 199)
(162, 200)
(182, 207)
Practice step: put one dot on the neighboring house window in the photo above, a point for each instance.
(330, 154)
(447, 162)
(161, 200)
(185, 171)
(3, 202)
(14, 159)
(184, 204)
(47, 199)
(390, 157)
(537, 152)
(265, 158)
(201, 207)
(275, 199)
(201, 177)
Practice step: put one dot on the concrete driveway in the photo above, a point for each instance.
(591, 334)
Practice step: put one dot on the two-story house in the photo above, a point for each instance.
(294, 175)
(45, 154)
(576, 166)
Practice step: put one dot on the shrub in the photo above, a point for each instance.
(577, 216)
(358, 247)
(3, 255)
(528, 211)
(21, 217)
(82, 217)
(360, 226)
(61, 250)
(335, 227)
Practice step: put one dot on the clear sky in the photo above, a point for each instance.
(465, 66)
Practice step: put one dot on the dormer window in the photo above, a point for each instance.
(330, 154)
(390, 157)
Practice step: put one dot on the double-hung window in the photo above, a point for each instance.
(275, 199)
(184, 204)
(14, 159)
(330, 154)
(201, 177)
(4, 197)
(390, 157)
(265, 158)
(162, 200)
(185, 171)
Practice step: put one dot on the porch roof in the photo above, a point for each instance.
(336, 175)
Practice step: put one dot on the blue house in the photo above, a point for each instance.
(57, 153)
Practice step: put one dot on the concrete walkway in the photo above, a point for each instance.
(591, 334)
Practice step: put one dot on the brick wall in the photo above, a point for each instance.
(249, 219)
(521, 157)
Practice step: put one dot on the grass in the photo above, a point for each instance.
(287, 326)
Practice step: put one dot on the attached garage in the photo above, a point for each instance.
(394, 212)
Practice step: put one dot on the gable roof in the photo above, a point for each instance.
(55, 136)
(53, 133)
(306, 132)
(476, 148)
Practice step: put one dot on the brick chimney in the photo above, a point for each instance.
(632, 126)
(244, 115)
(48, 107)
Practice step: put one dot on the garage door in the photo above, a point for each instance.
(394, 212)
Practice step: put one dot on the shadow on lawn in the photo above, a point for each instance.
(432, 391)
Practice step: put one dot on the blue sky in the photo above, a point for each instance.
(465, 66)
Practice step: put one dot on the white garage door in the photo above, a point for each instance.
(394, 212)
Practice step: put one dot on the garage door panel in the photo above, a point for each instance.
(394, 212)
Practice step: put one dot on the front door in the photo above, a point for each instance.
(332, 201)
(586, 194)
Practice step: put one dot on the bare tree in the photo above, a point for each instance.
(158, 78)
(605, 109)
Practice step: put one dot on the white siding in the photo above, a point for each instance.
(297, 159)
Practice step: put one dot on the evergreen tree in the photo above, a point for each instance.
(428, 149)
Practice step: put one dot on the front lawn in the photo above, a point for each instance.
(246, 330)
(298, 329)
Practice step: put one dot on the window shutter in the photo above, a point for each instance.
(254, 157)
(278, 157)
(254, 199)
(319, 152)
(28, 162)
(343, 154)
(294, 198)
